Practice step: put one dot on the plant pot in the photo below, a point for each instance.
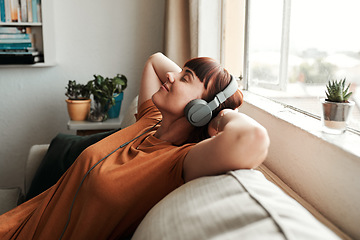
(78, 109)
(114, 110)
(335, 116)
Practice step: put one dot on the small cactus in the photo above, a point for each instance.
(336, 91)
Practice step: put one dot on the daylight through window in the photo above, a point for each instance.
(296, 46)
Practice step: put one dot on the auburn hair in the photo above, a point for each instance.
(215, 79)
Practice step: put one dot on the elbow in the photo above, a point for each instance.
(153, 58)
(255, 148)
(261, 142)
(155, 55)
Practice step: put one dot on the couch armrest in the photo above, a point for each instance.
(36, 154)
(10, 198)
(129, 116)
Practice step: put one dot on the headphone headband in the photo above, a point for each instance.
(224, 94)
(199, 112)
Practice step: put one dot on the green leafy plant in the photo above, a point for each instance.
(77, 91)
(104, 90)
(337, 92)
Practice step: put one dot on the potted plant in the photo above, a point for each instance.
(104, 91)
(78, 102)
(336, 107)
(119, 83)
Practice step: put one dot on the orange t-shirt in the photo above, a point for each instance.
(114, 197)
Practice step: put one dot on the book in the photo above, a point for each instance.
(19, 52)
(10, 30)
(7, 11)
(2, 11)
(3, 51)
(29, 10)
(15, 10)
(14, 36)
(15, 40)
(23, 11)
(15, 45)
(34, 8)
(21, 58)
(39, 11)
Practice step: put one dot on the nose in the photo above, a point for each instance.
(170, 77)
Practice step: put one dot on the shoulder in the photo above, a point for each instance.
(148, 110)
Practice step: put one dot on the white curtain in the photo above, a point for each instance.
(181, 30)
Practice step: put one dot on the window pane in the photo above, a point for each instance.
(324, 45)
(264, 41)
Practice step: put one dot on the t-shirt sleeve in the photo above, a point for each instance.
(149, 110)
(178, 164)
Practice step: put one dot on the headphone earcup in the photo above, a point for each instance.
(198, 113)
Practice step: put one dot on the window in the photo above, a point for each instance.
(294, 47)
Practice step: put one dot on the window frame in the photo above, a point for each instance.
(284, 48)
(283, 65)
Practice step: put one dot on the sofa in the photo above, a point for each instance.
(241, 204)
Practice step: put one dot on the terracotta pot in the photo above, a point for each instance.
(78, 109)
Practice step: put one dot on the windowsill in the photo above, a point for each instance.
(322, 169)
(306, 99)
(349, 141)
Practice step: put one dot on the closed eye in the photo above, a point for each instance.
(186, 77)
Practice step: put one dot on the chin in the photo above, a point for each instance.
(164, 106)
(155, 99)
(158, 101)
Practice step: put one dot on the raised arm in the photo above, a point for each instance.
(154, 75)
(240, 143)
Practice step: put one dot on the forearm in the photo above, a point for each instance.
(238, 142)
(161, 65)
(154, 75)
(236, 123)
(227, 117)
(249, 138)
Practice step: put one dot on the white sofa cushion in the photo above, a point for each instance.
(129, 116)
(241, 204)
(36, 155)
(10, 198)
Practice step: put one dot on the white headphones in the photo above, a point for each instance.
(198, 112)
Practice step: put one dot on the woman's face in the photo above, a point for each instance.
(177, 92)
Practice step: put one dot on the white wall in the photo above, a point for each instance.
(92, 37)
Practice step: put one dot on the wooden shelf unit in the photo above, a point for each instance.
(44, 36)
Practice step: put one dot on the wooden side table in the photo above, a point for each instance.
(84, 128)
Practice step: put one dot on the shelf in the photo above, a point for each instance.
(112, 123)
(44, 36)
(20, 24)
(35, 65)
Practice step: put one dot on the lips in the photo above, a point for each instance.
(165, 86)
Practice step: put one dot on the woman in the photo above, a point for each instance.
(113, 184)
